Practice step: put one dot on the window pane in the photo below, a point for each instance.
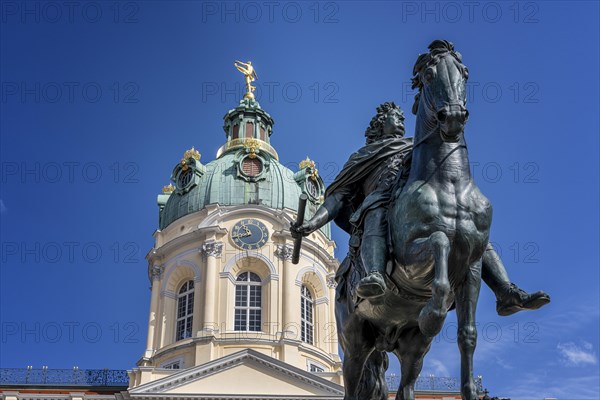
(180, 308)
(190, 303)
(180, 329)
(240, 320)
(241, 296)
(188, 327)
(255, 292)
(254, 320)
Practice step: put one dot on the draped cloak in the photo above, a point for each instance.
(392, 157)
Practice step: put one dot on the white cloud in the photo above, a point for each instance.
(436, 368)
(503, 363)
(575, 355)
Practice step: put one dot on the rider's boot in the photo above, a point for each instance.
(373, 253)
(371, 286)
(509, 297)
(512, 299)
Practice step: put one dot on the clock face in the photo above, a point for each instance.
(311, 188)
(249, 234)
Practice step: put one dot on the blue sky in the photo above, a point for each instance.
(99, 101)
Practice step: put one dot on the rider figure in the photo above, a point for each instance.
(358, 201)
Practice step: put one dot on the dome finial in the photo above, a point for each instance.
(247, 69)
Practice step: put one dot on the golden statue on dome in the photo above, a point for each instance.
(247, 69)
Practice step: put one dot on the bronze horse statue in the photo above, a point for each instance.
(439, 229)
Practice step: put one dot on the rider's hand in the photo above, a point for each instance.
(305, 229)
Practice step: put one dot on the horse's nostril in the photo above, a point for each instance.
(441, 115)
(466, 115)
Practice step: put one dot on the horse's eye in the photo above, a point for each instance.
(429, 74)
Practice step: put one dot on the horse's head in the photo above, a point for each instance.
(441, 78)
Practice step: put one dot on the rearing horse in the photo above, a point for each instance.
(439, 229)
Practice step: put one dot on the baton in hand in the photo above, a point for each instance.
(299, 221)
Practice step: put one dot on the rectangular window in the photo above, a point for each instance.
(173, 365)
(312, 367)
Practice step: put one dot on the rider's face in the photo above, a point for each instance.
(393, 124)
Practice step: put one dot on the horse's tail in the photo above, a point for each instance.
(373, 384)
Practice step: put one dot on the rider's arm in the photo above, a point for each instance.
(330, 209)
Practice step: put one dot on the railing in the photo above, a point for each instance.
(433, 383)
(66, 377)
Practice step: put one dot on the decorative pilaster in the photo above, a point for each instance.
(290, 300)
(331, 286)
(156, 273)
(212, 251)
(331, 283)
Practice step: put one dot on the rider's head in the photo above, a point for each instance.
(387, 123)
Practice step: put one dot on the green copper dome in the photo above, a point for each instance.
(246, 171)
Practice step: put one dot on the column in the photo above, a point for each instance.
(156, 274)
(212, 251)
(284, 253)
(331, 285)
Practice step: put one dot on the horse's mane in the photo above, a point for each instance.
(438, 49)
(375, 129)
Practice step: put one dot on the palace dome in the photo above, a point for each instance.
(246, 171)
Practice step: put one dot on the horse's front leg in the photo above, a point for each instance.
(432, 316)
(466, 304)
(358, 342)
(410, 350)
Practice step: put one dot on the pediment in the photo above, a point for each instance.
(244, 375)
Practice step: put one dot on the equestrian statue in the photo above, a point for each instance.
(419, 237)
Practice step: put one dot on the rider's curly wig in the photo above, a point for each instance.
(375, 130)
(437, 50)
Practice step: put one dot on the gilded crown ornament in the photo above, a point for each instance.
(252, 146)
(167, 189)
(308, 163)
(191, 153)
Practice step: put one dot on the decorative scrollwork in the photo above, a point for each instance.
(284, 252)
(157, 271)
(212, 249)
(331, 282)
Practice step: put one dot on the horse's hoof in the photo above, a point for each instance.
(431, 320)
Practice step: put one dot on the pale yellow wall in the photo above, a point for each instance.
(178, 250)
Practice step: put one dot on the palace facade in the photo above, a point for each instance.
(231, 317)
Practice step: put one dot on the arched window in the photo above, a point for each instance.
(248, 301)
(306, 315)
(185, 310)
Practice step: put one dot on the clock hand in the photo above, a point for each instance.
(242, 235)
